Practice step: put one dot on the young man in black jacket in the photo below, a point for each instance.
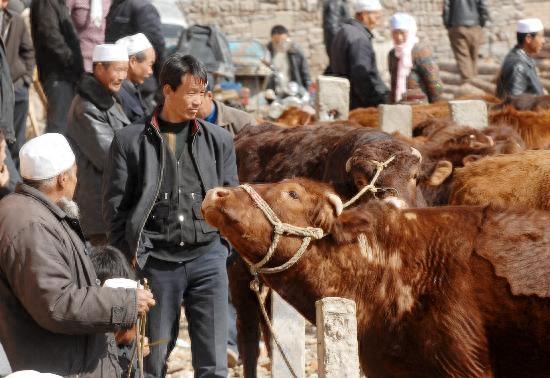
(58, 58)
(156, 177)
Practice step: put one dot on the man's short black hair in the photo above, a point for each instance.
(177, 66)
(278, 30)
(521, 37)
(109, 262)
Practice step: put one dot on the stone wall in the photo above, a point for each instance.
(254, 19)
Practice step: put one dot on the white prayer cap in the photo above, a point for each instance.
(402, 21)
(45, 156)
(32, 374)
(124, 283)
(135, 43)
(529, 25)
(110, 53)
(367, 6)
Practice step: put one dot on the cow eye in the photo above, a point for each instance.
(293, 194)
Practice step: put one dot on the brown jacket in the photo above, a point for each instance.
(231, 119)
(55, 317)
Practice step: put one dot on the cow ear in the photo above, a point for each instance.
(348, 166)
(326, 211)
(443, 169)
(470, 159)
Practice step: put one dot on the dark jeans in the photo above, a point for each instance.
(60, 96)
(201, 285)
(20, 112)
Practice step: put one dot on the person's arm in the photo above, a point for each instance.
(117, 193)
(364, 75)
(26, 52)
(447, 13)
(47, 27)
(231, 177)
(483, 11)
(304, 70)
(92, 133)
(331, 21)
(516, 83)
(42, 280)
(429, 74)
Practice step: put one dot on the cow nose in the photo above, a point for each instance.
(220, 193)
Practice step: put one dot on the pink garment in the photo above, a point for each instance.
(88, 33)
(403, 52)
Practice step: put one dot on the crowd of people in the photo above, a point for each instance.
(133, 141)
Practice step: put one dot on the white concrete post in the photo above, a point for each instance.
(337, 345)
(332, 98)
(469, 112)
(396, 118)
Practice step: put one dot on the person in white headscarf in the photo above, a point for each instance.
(414, 72)
(89, 21)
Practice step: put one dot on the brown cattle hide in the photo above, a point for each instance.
(521, 179)
(440, 292)
(294, 116)
(533, 127)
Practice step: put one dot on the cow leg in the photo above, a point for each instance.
(248, 316)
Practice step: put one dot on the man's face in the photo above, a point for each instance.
(138, 72)
(533, 45)
(370, 19)
(206, 106)
(186, 100)
(279, 41)
(69, 183)
(399, 36)
(3, 4)
(2, 152)
(111, 75)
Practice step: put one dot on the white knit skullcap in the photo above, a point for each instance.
(110, 53)
(367, 6)
(45, 157)
(529, 25)
(135, 43)
(32, 374)
(402, 21)
(124, 283)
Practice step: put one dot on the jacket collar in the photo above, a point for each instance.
(354, 22)
(29, 191)
(153, 121)
(92, 90)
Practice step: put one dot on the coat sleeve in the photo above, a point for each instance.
(447, 13)
(483, 11)
(304, 70)
(331, 21)
(47, 28)
(429, 74)
(92, 133)
(517, 83)
(26, 51)
(42, 280)
(364, 75)
(117, 191)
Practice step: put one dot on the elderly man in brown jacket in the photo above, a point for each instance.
(55, 316)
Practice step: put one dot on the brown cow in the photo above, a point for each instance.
(342, 155)
(505, 180)
(533, 127)
(440, 292)
(294, 116)
(528, 102)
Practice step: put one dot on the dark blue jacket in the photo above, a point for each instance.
(131, 102)
(518, 75)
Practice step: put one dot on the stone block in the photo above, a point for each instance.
(332, 97)
(396, 118)
(337, 346)
(469, 112)
(290, 327)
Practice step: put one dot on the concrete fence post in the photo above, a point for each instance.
(332, 98)
(469, 112)
(396, 118)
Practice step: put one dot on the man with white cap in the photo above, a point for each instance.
(95, 115)
(56, 317)
(141, 58)
(518, 74)
(352, 56)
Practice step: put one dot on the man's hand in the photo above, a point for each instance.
(145, 301)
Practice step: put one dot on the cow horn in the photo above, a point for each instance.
(336, 202)
(348, 166)
(416, 153)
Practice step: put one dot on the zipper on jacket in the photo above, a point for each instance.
(162, 159)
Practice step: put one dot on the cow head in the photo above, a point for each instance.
(398, 179)
(299, 202)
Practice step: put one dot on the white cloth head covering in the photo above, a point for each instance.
(135, 43)
(367, 6)
(45, 156)
(96, 12)
(110, 53)
(32, 374)
(529, 25)
(402, 21)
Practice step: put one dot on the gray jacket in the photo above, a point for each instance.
(94, 117)
(7, 98)
(465, 13)
(231, 119)
(55, 316)
(518, 75)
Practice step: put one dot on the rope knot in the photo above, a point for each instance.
(278, 228)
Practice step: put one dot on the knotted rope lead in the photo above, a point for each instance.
(370, 187)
